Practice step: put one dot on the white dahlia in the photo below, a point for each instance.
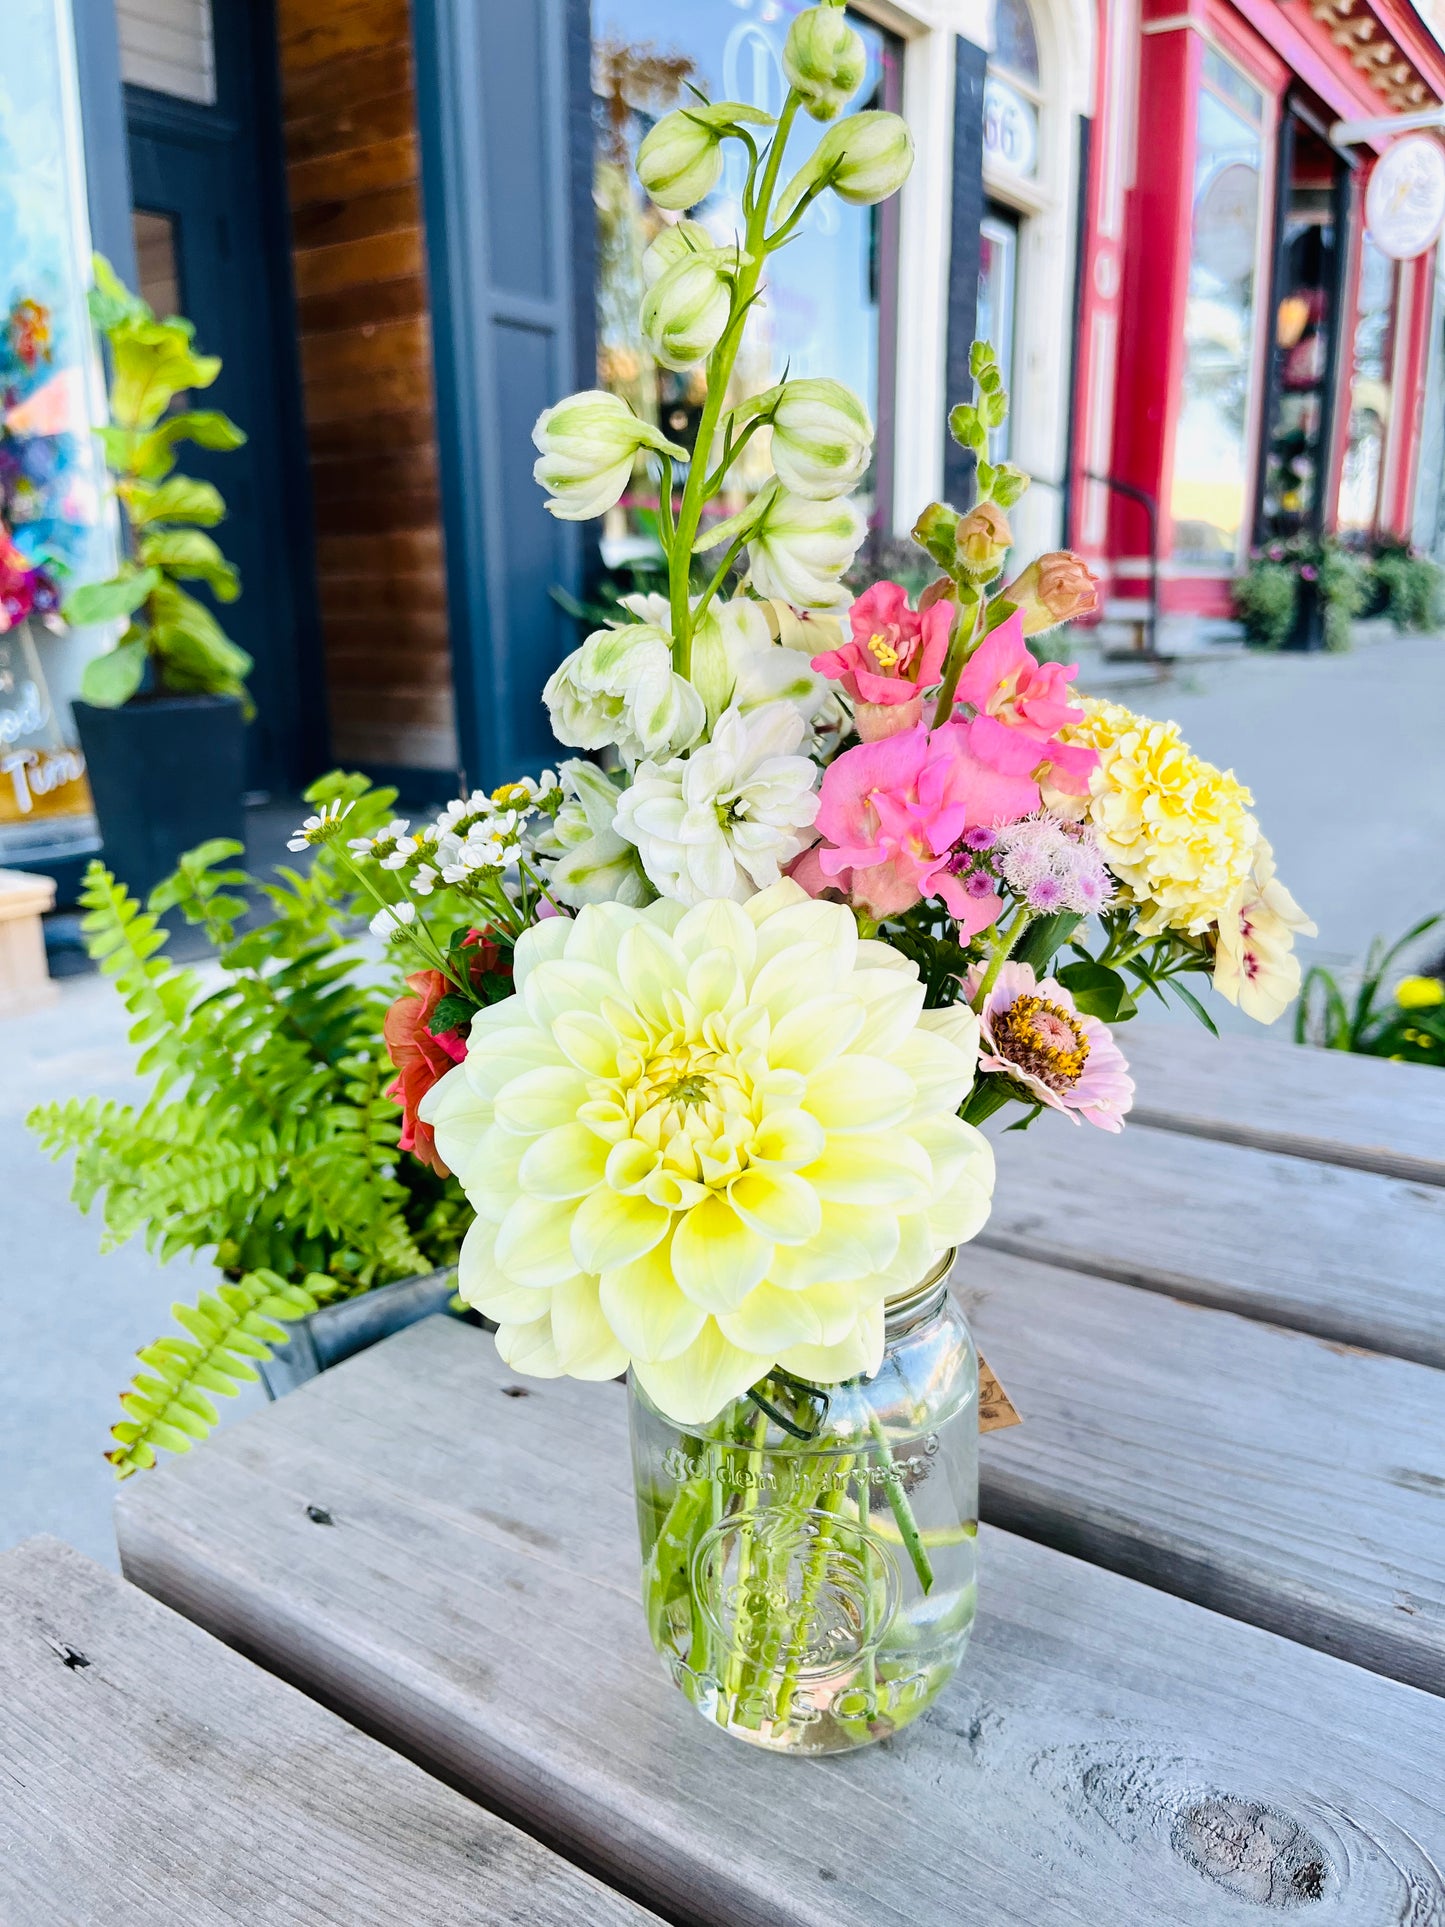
(706, 1142)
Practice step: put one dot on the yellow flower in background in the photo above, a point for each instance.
(1419, 993)
(707, 1141)
(1174, 830)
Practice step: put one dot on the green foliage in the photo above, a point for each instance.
(170, 634)
(1408, 1030)
(1265, 599)
(1410, 588)
(1342, 582)
(266, 1133)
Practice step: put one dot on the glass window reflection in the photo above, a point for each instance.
(1211, 456)
(1369, 394)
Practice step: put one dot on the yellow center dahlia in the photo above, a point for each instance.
(707, 1141)
(1174, 830)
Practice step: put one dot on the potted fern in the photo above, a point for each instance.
(268, 1133)
(162, 713)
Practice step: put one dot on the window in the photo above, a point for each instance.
(1015, 45)
(998, 247)
(1211, 453)
(822, 309)
(1012, 95)
(1369, 394)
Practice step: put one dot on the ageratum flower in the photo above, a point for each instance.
(707, 1142)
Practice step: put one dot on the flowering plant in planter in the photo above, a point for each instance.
(854, 874)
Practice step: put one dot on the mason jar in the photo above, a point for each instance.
(810, 1555)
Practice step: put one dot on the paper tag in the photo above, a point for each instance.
(995, 1408)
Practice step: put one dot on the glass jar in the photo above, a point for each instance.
(809, 1557)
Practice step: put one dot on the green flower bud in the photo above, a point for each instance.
(797, 548)
(825, 60)
(680, 160)
(822, 437)
(672, 244)
(588, 445)
(936, 532)
(686, 309)
(863, 159)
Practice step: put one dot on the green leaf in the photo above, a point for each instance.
(110, 680)
(153, 361)
(1191, 1002)
(194, 557)
(120, 595)
(1098, 991)
(1045, 937)
(451, 1013)
(110, 300)
(181, 499)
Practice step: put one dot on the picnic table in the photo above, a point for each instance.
(1207, 1681)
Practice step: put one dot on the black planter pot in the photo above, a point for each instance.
(1309, 622)
(166, 772)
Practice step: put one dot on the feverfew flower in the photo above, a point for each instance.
(725, 821)
(317, 828)
(1175, 831)
(393, 921)
(619, 690)
(708, 1142)
(1254, 962)
(1035, 1034)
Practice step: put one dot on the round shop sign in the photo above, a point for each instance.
(1405, 201)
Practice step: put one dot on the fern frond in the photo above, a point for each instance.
(167, 1405)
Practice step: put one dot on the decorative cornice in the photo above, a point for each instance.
(1352, 26)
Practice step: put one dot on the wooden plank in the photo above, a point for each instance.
(151, 1776)
(313, 33)
(1345, 1254)
(363, 112)
(362, 80)
(1327, 1105)
(326, 224)
(354, 264)
(1271, 1476)
(1108, 1754)
(355, 307)
(361, 170)
(391, 387)
(400, 552)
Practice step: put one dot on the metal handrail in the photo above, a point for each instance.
(1150, 506)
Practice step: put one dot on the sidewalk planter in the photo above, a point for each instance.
(338, 1332)
(167, 773)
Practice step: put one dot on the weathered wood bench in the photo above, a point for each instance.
(148, 1776)
(1108, 1753)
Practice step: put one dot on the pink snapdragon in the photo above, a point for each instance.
(1019, 706)
(892, 813)
(895, 653)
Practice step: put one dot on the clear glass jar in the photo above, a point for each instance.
(809, 1557)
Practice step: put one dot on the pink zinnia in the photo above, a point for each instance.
(894, 655)
(893, 811)
(1019, 706)
(1034, 1033)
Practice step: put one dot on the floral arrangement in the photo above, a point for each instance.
(706, 1022)
(706, 1026)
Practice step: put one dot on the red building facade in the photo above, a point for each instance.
(1250, 367)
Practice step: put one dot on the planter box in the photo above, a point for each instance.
(340, 1331)
(166, 772)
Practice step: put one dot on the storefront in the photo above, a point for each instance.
(1252, 364)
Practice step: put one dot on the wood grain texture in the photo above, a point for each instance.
(1345, 1254)
(150, 1776)
(1327, 1105)
(354, 183)
(1107, 1755)
(1268, 1475)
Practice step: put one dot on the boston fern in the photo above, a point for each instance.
(267, 1133)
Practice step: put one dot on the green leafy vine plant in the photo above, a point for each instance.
(171, 639)
(266, 1134)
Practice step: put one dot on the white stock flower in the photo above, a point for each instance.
(708, 1142)
(1254, 962)
(825, 60)
(680, 160)
(619, 690)
(822, 437)
(594, 864)
(864, 159)
(588, 445)
(686, 309)
(723, 822)
(737, 663)
(797, 548)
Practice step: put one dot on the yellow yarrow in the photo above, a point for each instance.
(706, 1141)
(1174, 830)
